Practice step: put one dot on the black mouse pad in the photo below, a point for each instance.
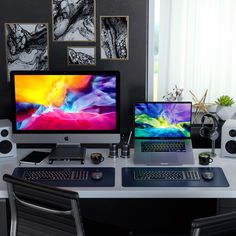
(130, 179)
(80, 177)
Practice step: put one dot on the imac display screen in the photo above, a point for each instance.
(75, 102)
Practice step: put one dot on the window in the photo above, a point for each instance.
(154, 28)
(194, 47)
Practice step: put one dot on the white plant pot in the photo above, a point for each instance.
(225, 113)
(211, 108)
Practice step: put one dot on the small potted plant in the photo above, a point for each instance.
(225, 109)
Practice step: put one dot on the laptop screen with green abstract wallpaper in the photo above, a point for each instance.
(163, 120)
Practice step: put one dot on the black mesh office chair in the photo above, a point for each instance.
(38, 210)
(219, 225)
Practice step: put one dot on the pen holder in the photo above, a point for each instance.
(113, 150)
(125, 151)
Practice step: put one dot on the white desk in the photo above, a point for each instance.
(7, 165)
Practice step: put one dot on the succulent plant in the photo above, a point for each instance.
(225, 100)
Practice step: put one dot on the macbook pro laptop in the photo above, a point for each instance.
(162, 133)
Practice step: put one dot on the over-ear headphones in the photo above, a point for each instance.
(207, 132)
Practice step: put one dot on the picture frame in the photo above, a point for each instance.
(27, 46)
(114, 29)
(69, 26)
(81, 55)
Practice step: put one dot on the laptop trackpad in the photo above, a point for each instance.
(164, 159)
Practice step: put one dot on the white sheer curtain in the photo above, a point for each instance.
(198, 47)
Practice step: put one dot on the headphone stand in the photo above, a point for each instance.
(212, 133)
(213, 145)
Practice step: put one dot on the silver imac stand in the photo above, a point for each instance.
(67, 153)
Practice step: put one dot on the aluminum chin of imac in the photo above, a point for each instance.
(66, 108)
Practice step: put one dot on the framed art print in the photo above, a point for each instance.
(81, 56)
(26, 46)
(74, 20)
(114, 37)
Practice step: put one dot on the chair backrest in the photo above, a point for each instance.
(219, 225)
(42, 210)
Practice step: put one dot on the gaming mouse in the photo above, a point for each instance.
(207, 175)
(96, 175)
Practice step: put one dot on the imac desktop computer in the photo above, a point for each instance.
(66, 109)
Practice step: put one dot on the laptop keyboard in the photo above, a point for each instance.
(172, 175)
(175, 146)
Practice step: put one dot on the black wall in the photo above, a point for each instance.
(133, 72)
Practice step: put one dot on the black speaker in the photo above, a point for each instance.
(228, 139)
(7, 147)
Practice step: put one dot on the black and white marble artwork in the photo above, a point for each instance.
(114, 37)
(81, 55)
(26, 46)
(73, 20)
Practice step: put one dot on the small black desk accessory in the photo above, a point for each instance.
(113, 150)
(125, 147)
(97, 175)
(67, 153)
(207, 174)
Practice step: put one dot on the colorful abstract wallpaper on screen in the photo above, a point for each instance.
(162, 120)
(65, 102)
